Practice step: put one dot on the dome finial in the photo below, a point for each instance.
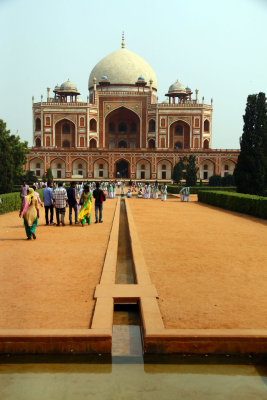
(122, 43)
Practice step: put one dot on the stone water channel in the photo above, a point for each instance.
(127, 373)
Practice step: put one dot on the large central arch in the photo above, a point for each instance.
(180, 135)
(65, 133)
(122, 125)
(122, 169)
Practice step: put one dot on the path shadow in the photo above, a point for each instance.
(3, 240)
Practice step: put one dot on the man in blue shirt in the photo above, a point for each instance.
(48, 203)
(72, 202)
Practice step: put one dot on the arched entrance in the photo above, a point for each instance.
(122, 129)
(122, 169)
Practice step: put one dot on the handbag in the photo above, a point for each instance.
(102, 197)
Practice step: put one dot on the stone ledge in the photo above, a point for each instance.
(117, 291)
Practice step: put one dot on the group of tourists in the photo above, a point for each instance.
(78, 197)
(79, 203)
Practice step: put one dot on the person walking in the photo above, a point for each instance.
(60, 202)
(30, 211)
(164, 192)
(71, 193)
(86, 206)
(23, 191)
(48, 203)
(99, 197)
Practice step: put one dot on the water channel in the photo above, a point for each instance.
(127, 373)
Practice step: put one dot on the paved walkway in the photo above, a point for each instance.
(209, 265)
(49, 282)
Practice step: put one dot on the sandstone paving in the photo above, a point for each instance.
(49, 282)
(209, 265)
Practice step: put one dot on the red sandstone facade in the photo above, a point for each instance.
(122, 131)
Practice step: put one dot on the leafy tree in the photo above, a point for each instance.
(48, 176)
(228, 180)
(28, 177)
(191, 171)
(177, 174)
(251, 170)
(12, 158)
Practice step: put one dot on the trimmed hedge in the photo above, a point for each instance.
(243, 203)
(12, 202)
(195, 189)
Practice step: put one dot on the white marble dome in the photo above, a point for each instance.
(68, 85)
(122, 67)
(177, 87)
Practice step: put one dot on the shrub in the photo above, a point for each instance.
(12, 202)
(243, 203)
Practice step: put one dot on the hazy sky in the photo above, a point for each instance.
(217, 46)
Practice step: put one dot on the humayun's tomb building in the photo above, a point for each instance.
(122, 130)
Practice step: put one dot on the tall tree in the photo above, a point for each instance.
(251, 170)
(12, 158)
(177, 174)
(191, 171)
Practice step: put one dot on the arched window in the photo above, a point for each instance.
(206, 144)
(92, 125)
(111, 127)
(133, 127)
(143, 166)
(38, 142)
(178, 130)
(38, 124)
(80, 166)
(82, 121)
(59, 166)
(163, 166)
(66, 143)
(226, 167)
(151, 144)
(92, 144)
(206, 126)
(101, 166)
(206, 166)
(152, 125)
(122, 127)
(38, 165)
(122, 144)
(66, 128)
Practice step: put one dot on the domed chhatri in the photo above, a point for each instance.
(66, 90)
(68, 85)
(122, 68)
(177, 87)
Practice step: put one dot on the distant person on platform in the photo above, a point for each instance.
(60, 203)
(23, 190)
(99, 197)
(71, 193)
(48, 203)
